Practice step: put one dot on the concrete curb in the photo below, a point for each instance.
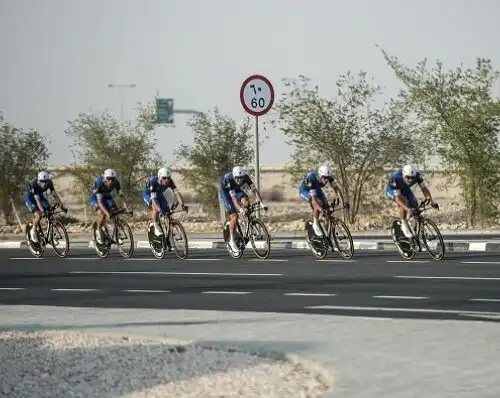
(361, 245)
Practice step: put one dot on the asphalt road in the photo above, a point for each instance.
(373, 284)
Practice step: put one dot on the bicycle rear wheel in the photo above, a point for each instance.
(59, 235)
(178, 239)
(403, 244)
(101, 249)
(156, 243)
(226, 241)
(316, 243)
(436, 251)
(36, 249)
(342, 238)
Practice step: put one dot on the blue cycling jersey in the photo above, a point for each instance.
(34, 189)
(398, 183)
(154, 187)
(229, 184)
(101, 190)
(311, 183)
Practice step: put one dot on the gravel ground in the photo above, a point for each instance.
(73, 364)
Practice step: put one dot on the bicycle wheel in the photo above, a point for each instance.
(35, 248)
(226, 241)
(178, 239)
(255, 225)
(102, 249)
(427, 239)
(343, 240)
(124, 234)
(59, 235)
(315, 242)
(405, 249)
(157, 246)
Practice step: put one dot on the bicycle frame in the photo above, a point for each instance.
(49, 230)
(115, 216)
(250, 215)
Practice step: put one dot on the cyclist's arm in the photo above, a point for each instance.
(232, 193)
(254, 190)
(337, 190)
(424, 188)
(121, 195)
(178, 195)
(54, 194)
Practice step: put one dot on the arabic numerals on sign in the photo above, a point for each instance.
(257, 102)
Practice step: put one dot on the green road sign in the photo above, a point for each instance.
(164, 110)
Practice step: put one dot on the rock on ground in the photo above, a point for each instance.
(70, 364)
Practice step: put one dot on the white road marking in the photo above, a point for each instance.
(407, 261)
(175, 258)
(26, 258)
(481, 262)
(396, 309)
(277, 260)
(472, 278)
(12, 288)
(336, 261)
(311, 294)
(402, 297)
(74, 290)
(145, 291)
(486, 300)
(81, 258)
(203, 259)
(223, 292)
(170, 273)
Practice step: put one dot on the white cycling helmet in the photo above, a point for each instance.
(164, 172)
(325, 171)
(409, 171)
(238, 171)
(43, 176)
(109, 173)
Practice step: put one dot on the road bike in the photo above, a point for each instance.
(174, 237)
(408, 247)
(255, 232)
(120, 234)
(337, 229)
(54, 234)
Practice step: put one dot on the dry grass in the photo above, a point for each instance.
(286, 210)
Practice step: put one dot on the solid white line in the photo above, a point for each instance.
(74, 290)
(277, 260)
(26, 258)
(407, 261)
(223, 292)
(486, 300)
(204, 259)
(170, 273)
(81, 258)
(472, 278)
(145, 291)
(480, 262)
(335, 261)
(311, 294)
(396, 309)
(175, 258)
(12, 288)
(401, 297)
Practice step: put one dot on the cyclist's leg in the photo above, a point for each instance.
(405, 228)
(32, 206)
(305, 195)
(164, 207)
(100, 216)
(243, 198)
(326, 206)
(233, 218)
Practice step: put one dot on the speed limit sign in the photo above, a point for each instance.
(257, 95)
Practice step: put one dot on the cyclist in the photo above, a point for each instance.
(235, 200)
(36, 202)
(399, 190)
(155, 199)
(101, 200)
(311, 191)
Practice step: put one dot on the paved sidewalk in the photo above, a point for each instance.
(370, 357)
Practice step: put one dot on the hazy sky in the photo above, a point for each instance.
(58, 56)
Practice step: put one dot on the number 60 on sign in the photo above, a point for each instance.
(257, 95)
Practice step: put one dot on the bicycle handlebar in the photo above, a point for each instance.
(117, 212)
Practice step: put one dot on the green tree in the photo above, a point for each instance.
(349, 132)
(101, 142)
(22, 155)
(219, 144)
(462, 116)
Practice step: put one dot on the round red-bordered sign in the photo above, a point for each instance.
(257, 95)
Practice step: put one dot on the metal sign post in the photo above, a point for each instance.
(257, 98)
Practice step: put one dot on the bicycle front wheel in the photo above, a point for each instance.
(178, 239)
(342, 238)
(433, 241)
(125, 238)
(261, 247)
(59, 239)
